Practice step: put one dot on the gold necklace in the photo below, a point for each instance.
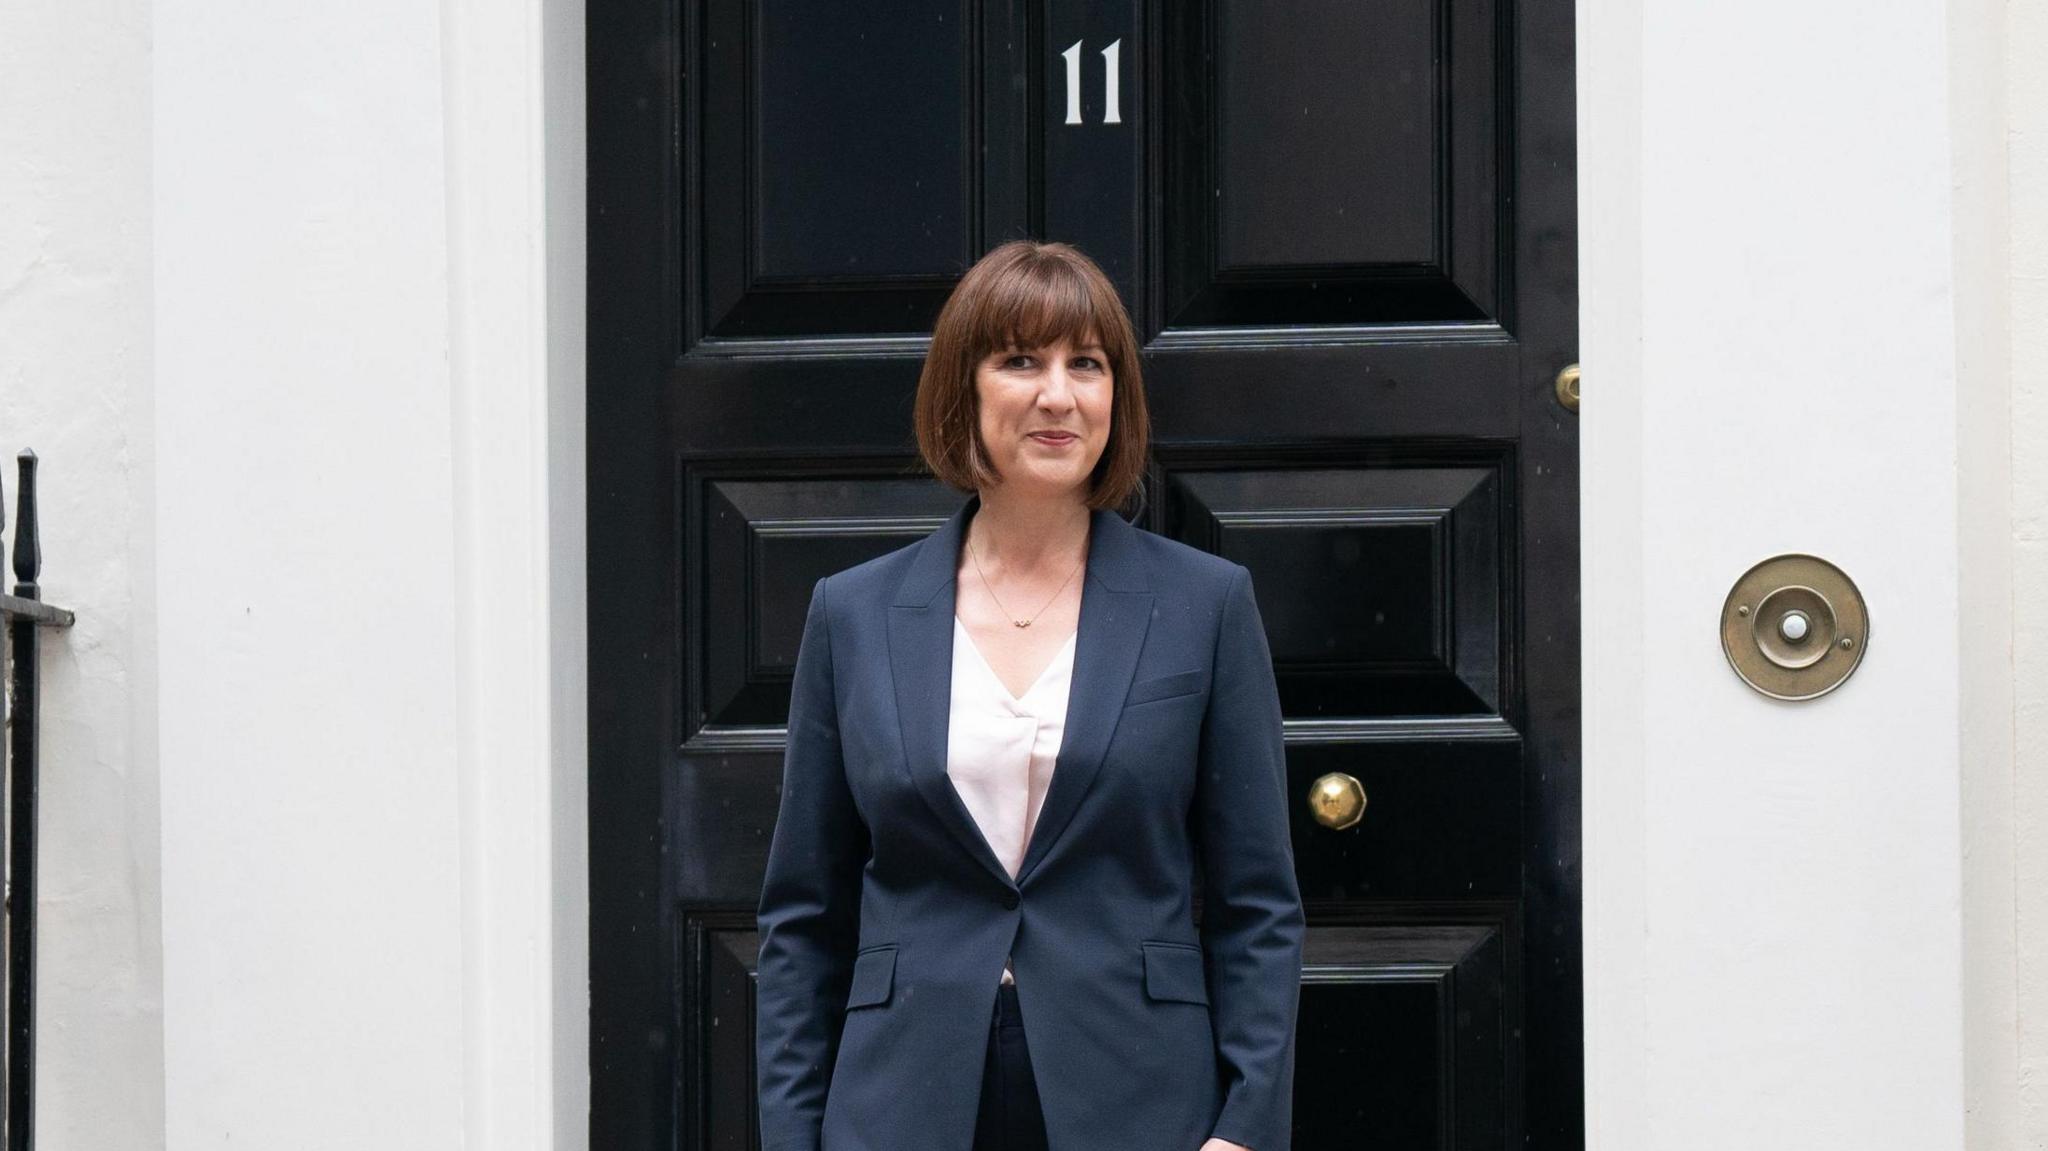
(999, 600)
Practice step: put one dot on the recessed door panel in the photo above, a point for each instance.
(838, 154)
(1332, 164)
(1381, 587)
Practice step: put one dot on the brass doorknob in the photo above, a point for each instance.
(1566, 385)
(1337, 799)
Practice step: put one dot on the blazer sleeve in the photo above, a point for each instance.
(809, 914)
(1252, 921)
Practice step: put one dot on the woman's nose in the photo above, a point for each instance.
(1058, 391)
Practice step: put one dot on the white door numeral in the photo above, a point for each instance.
(1110, 97)
(1073, 58)
(1111, 89)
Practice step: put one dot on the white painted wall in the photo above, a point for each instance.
(75, 323)
(1814, 286)
(2026, 88)
(2006, 747)
(306, 530)
(368, 266)
(1984, 220)
(291, 307)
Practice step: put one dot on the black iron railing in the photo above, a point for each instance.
(26, 615)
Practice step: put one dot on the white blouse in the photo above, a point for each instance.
(1000, 748)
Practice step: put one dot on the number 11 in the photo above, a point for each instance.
(1110, 96)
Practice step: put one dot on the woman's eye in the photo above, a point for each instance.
(1088, 364)
(1019, 361)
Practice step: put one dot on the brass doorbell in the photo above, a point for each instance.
(1794, 627)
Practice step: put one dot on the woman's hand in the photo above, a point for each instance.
(1224, 1145)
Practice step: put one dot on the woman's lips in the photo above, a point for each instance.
(1056, 439)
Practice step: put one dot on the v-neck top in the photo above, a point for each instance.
(1000, 748)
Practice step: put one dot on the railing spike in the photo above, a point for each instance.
(28, 552)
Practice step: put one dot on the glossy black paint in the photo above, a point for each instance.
(1348, 240)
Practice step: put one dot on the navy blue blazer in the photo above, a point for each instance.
(885, 917)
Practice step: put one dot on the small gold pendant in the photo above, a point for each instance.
(1021, 622)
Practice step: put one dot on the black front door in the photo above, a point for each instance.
(1346, 233)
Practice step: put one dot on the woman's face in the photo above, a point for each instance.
(1045, 414)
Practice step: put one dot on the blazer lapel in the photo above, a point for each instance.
(1116, 608)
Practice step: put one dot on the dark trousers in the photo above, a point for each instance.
(1010, 1118)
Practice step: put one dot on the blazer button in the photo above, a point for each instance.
(1010, 899)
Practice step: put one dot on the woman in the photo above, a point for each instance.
(1011, 746)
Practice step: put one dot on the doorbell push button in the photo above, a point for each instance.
(1794, 627)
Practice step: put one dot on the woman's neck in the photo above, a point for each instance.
(1027, 536)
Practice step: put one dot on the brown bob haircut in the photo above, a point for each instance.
(1025, 294)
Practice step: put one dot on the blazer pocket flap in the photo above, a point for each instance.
(874, 973)
(1174, 971)
(1164, 687)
